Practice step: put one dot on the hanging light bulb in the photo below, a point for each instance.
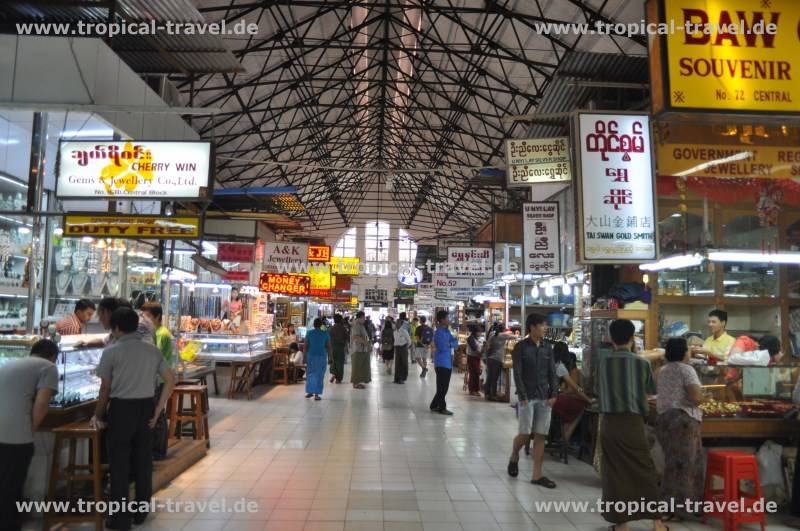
(566, 289)
(548, 290)
(586, 290)
(535, 292)
(58, 231)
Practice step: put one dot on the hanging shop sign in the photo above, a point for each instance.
(410, 276)
(537, 160)
(140, 227)
(284, 284)
(616, 192)
(376, 296)
(134, 169)
(237, 276)
(319, 253)
(284, 257)
(470, 262)
(541, 244)
(736, 55)
(320, 280)
(354, 301)
(425, 290)
(442, 281)
(404, 293)
(345, 265)
(728, 162)
(235, 252)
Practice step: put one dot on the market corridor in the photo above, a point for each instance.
(371, 460)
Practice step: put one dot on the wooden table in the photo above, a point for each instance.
(201, 373)
(242, 384)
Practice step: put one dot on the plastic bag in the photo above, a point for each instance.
(770, 467)
(759, 358)
(190, 351)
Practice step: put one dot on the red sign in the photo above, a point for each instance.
(237, 276)
(284, 284)
(342, 282)
(235, 252)
(338, 297)
(319, 253)
(320, 292)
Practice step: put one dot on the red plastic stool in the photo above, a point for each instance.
(733, 467)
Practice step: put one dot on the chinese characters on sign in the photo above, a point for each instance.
(235, 252)
(470, 262)
(284, 284)
(542, 238)
(537, 160)
(616, 201)
(319, 253)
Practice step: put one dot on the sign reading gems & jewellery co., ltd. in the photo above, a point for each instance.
(537, 160)
(133, 169)
(617, 218)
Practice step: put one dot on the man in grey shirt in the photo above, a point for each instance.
(26, 387)
(129, 371)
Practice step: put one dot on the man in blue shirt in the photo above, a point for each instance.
(443, 342)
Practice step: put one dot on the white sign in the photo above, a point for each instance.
(425, 290)
(376, 296)
(410, 276)
(537, 160)
(133, 169)
(470, 262)
(440, 281)
(617, 207)
(542, 238)
(285, 257)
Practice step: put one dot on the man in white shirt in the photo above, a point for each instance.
(402, 342)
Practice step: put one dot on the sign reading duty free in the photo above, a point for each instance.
(141, 227)
(133, 169)
(731, 55)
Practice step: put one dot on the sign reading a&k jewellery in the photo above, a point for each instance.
(725, 55)
(542, 238)
(537, 160)
(133, 169)
(141, 227)
(617, 217)
(285, 257)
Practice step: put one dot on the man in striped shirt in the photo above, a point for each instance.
(623, 382)
(72, 325)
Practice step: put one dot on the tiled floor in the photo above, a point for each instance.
(374, 459)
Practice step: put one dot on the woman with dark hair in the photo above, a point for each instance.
(474, 361)
(318, 351)
(571, 404)
(387, 344)
(678, 426)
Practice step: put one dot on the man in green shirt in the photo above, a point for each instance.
(164, 340)
(623, 382)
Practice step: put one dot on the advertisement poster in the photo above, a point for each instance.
(123, 227)
(235, 252)
(537, 160)
(542, 238)
(617, 218)
(285, 257)
(133, 169)
(470, 262)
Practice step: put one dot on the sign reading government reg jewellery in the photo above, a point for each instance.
(617, 215)
(133, 169)
(537, 160)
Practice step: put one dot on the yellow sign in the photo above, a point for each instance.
(354, 300)
(320, 277)
(728, 162)
(345, 266)
(732, 55)
(140, 227)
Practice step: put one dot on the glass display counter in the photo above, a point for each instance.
(77, 379)
(14, 347)
(232, 347)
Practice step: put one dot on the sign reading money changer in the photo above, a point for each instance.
(537, 160)
(144, 227)
(133, 169)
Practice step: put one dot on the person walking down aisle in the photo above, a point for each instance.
(339, 336)
(444, 342)
(387, 344)
(402, 340)
(474, 362)
(624, 380)
(423, 337)
(360, 348)
(678, 425)
(73, 324)
(26, 387)
(537, 385)
(128, 372)
(495, 348)
(319, 351)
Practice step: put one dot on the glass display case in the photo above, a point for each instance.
(693, 281)
(231, 347)
(14, 347)
(77, 379)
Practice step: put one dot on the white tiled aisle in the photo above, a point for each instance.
(374, 459)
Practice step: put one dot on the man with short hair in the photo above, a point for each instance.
(622, 385)
(339, 337)
(154, 313)
(443, 344)
(105, 308)
(537, 386)
(719, 344)
(74, 324)
(128, 371)
(26, 387)
(360, 346)
(423, 337)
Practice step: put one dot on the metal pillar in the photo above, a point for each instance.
(35, 193)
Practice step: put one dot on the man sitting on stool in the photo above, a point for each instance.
(128, 371)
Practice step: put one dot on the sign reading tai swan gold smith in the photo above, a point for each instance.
(732, 55)
(122, 227)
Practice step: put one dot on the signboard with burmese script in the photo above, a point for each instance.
(133, 169)
(537, 160)
(728, 161)
(731, 55)
(140, 227)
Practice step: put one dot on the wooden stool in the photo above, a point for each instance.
(196, 414)
(241, 379)
(280, 366)
(75, 473)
